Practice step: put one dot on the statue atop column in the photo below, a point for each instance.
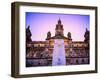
(69, 35)
(28, 35)
(48, 35)
(86, 35)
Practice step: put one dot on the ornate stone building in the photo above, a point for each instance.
(39, 53)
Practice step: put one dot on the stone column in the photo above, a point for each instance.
(59, 53)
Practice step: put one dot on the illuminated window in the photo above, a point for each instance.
(36, 45)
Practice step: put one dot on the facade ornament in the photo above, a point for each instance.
(86, 35)
(48, 35)
(28, 35)
(69, 35)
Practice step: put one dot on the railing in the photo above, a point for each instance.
(34, 62)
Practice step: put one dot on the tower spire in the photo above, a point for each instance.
(59, 21)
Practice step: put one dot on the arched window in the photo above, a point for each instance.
(76, 61)
(82, 60)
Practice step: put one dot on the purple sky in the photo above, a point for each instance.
(41, 23)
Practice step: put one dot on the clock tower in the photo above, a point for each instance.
(59, 28)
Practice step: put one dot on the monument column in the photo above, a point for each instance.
(59, 53)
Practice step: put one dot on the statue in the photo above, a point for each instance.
(86, 36)
(69, 35)
(48, 35)
(28, 34)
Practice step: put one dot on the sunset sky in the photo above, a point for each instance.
(41, 23)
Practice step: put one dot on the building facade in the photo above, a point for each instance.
(39, 53)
